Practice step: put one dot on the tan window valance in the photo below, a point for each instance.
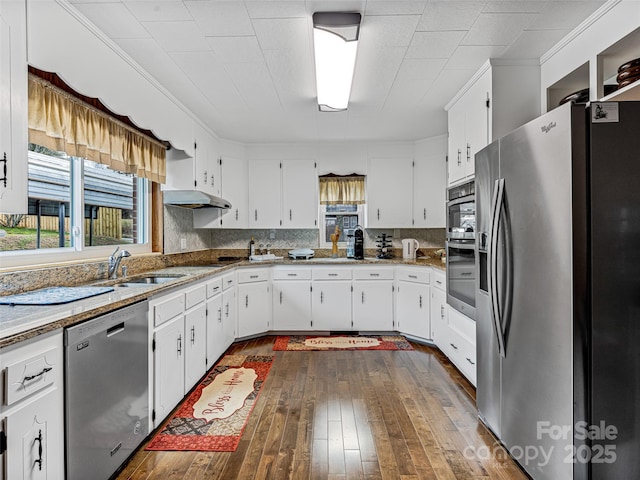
(61, 122)
(341, 190)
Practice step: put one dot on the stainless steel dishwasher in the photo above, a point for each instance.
(106, 391)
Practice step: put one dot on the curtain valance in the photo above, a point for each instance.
(341, 190)
(59, 121)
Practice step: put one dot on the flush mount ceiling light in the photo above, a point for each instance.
(335, 39)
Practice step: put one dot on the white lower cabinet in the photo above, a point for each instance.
(460, 345)
(168, 367)
(254, 302)
(195, 359)
(229, 320)
(373, 299)
(291, 299)
(32, 410)
(413, 300)
(331, 299)
(215, 325)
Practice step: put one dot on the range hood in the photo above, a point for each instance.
(193, 199)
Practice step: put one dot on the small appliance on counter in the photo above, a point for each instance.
(383, 244)
(350, 246)
(410, 247)
(301, 253)
(358, 243)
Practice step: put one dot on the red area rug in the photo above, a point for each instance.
(342, 342)
(214, 416)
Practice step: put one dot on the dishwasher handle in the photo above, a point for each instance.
(116, 329)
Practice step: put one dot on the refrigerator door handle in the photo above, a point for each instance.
(496, 210)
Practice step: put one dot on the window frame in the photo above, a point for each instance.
(78, 252)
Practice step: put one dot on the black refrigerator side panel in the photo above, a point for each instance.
(615, 294)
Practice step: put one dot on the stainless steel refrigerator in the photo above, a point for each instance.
(558, 292)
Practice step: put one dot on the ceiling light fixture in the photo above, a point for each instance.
(335, 38)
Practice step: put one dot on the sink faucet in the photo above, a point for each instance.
(114, 262)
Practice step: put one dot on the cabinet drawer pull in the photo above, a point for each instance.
(469, 360)
(362, 297)
(292, 274)
(39, 459)
(374, 274)
(333, 274)
(229, 281)
(321, 297)
(438, 282)
(378, 214)
(28, 378)
(246, 301)
(290, 214)
(226, 312)
(466, 274)
(280, 298)
(468, 152)
(453, 346)
(253, 276)
(442, 311)
(415, 277)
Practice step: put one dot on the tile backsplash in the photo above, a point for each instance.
(178, 224)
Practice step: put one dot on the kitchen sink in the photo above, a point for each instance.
(147, 281)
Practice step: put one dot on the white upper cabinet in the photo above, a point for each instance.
(265, 205)
(429, 184)
(299, 194)
(13, 108)
(234, 189)
(390, 193)
(497, 99)
(207, 165)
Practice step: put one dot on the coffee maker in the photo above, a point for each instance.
(358, 243)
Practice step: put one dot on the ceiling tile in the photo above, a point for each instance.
(113, 19)
(421, 68)
(533, 43)
(455, 15)
(254, 83)
(222, 18)
(335, 6)
(376, 69)
(154, 11)
(389, 31)
(498, 28)
(236, 49)
(178, 36)
(293, 77)
(446, 86)
(564, 14)
(276, 8)
(511, 6)
(397, 7)
(406, 93)
(472, 56)
(283, 33)
(434, 44)
(210, 77)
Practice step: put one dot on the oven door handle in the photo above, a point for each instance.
(496, 314)
(461, 246)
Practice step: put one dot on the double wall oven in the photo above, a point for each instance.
(461, 237)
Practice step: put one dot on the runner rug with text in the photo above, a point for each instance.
(215, 414)
(342, 342)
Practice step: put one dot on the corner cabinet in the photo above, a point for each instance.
(498, 98)
(32, 411)
(254, 302)
(412, 297)
(13, 107)
(390, 193)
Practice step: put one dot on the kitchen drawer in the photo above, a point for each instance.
(418, 275)
(250, 275)
(462, 324)
(373, 273)
(462, 353)
(29, 375)
(195, 295)
(168, 308)
(439, 278)
(292, 274)
(214, 287)
(332, 274)
(228, 280)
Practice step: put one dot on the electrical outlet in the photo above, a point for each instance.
(272, 234)
(183, 244)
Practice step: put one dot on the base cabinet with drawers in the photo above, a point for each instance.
(254, 301)
(373, 289)
(32, 410)
(412, 297)
(460, 343)
(291, 299)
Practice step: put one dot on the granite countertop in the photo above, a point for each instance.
(20, 322)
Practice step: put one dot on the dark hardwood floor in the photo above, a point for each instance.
(349, 415)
